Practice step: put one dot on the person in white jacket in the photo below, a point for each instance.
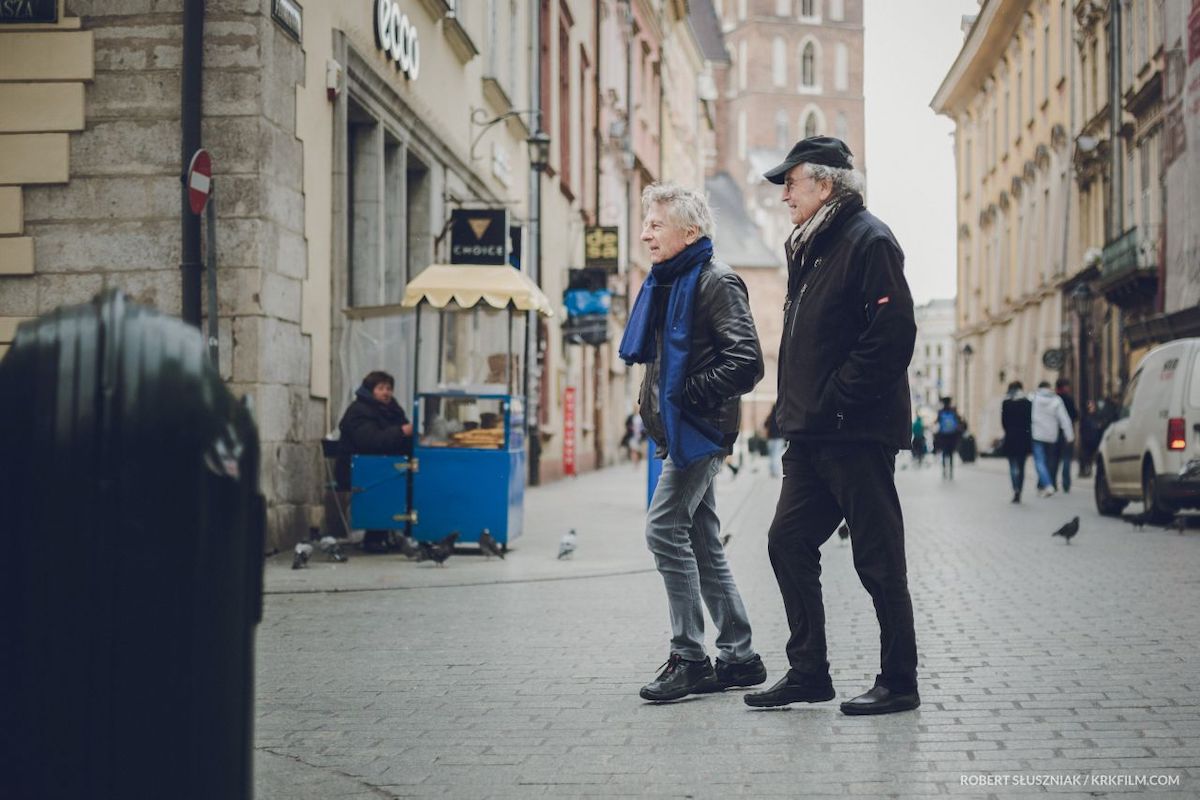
(1048, 418)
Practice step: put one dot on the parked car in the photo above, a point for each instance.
(1151, 452)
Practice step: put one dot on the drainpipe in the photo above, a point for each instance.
(1116, 183)
(189, 118)
(532, 326)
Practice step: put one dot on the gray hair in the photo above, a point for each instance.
(844, 180)
(685, 207)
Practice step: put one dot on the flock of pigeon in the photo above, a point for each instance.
(438, 552)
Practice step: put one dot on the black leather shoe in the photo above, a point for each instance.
(727, 676)
(793, 690)
(881, 700)
(679, 678)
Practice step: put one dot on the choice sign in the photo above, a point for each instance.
(397, 37)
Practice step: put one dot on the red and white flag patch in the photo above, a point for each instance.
(883, 300)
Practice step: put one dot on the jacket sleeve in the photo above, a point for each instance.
(881, 355)
(739, 363)
(1064, 421)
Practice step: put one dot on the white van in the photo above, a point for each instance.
(1151, 452)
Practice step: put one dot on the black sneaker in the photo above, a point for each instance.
(727, 676)
(679, 678)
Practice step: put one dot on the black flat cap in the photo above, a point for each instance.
(814, 150)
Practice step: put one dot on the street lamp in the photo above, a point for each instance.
(967, 352)
(539, 160)
(1081, 303)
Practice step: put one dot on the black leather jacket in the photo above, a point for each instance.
(848, 335)
(725, 360)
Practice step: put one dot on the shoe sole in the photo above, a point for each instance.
(666, 698)
(720, 687)
(864, 711)
(759, 703)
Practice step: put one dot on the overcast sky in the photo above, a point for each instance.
(908, 50)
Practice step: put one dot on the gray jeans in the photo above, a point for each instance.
(683, 532)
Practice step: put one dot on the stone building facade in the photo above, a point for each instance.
(343, 136)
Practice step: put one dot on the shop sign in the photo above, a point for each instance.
(479, 236)
(600, 245)
(396, 36)
(288, 15)
(569, 431)
(28, 11)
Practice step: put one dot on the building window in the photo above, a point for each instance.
(564, 101)
(741, 65)
(837, 10)
(1064, 55)
(783, 8)
(779, 61)
(808, 64)
(811, 125)
(741, 10)
(741, 134)
(1046, 62)
(842, 130)
(808, 9)
(841, 75)
(781, 129)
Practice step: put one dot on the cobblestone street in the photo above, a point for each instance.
(1041, 662)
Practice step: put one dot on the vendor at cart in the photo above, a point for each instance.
(374, 424)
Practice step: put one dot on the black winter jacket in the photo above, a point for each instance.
(848, 335)
(1016, 417)
(369, 428)
(724, 362)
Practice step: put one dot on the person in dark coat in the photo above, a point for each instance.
(844, 409)
(374, 424)
(1064, 450)
(1016, 414)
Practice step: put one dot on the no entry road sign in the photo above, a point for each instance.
(199, 180)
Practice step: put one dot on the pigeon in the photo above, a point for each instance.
(843, 532)
(1069, 530)
(566, 545)
(438, 551)
(488, 545)
(408, 547)
(330, 547)
(300, 560)
(1137, 520)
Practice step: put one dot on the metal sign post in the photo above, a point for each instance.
(200, 192)
(210, 265)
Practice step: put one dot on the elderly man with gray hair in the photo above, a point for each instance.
(691, 327)
(848, 335)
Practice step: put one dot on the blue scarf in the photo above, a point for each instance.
(689, 438)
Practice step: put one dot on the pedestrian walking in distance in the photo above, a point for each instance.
(848, 334)
(1049, 421)
(946, 435)
(691, 327)
(1015, 413)
(1064, 448)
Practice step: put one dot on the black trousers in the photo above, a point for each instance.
(824, 482)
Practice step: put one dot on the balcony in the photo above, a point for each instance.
(1129, 270)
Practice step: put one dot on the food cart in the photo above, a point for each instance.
(467, 470)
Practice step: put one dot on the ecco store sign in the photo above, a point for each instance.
(397, 37)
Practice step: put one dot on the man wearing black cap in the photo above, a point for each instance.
(843, 407)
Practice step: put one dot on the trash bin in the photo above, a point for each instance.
(966, 448)
(131, 580)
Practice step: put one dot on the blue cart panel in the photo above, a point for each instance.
(379, 492)
(467, 491)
